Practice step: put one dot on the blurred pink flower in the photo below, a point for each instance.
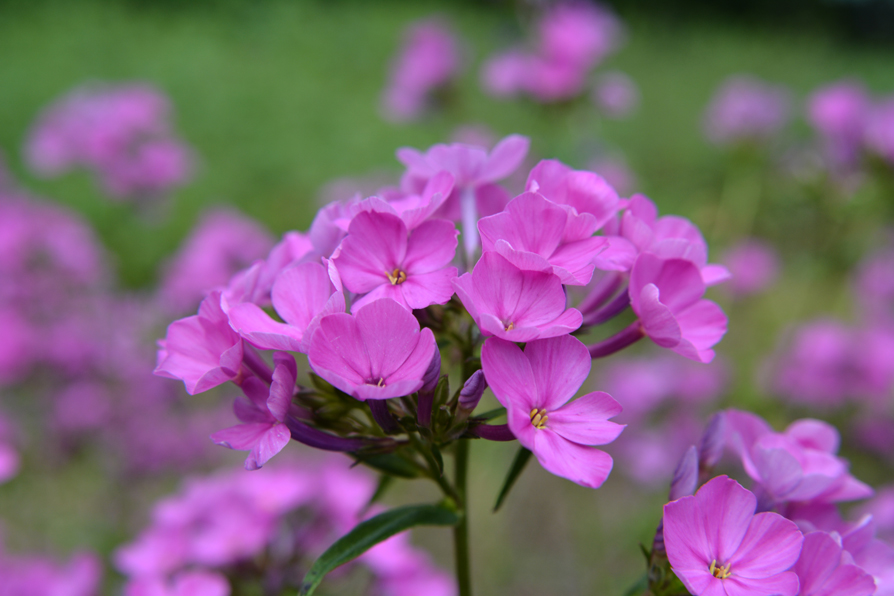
(615, 94)
(746, 109)
(754, 266)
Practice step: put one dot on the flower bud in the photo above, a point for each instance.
(710, 446)
(430, 378)
(685, 476)
(472, 391)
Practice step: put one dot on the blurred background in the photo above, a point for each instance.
(771, 126)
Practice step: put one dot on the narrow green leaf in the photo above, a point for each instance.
(439, 459)
(515, 470)
(442, 390)
(491, 414)
(370, 533)
(391, 464)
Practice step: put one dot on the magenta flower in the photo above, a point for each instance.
(824, 569)
(263, 431)
(717, 546)
(586, 192)
(413, 209)
(223, 242)
(796, 465)
(537, 235)
(186, 583)
(839, 113)
(428, 59)
(377, 353)
(535, 387)
(301, 295)
(201, 350)
(380, 259)
(578, 33)
(514, 304)
(616, 95)
(746, 109)
(666, 295)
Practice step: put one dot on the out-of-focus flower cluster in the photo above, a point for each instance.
(120, 133)
(227, 532)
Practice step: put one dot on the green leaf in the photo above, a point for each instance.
(515, 470)
(367, 534)
(391, 464)
(385, 481)
(321, 385)
(439, 459)
(491, 414)
(641, 585)
(442, 390)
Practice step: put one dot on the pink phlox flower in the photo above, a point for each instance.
(380, 258)
(616, 95)
(201, 350)
(578, 33)
(301, 296)
(648, 454)
(327, 229)
(798, 464)
(535, 234)
(263, 431)
(746, 109)
(666, 295)
(223, 242)
(535, 387)
(881, 508)
(669, 236)
(515, 304)
(583, 193)
(186, 583)
(753, 265)
(826, 569)
(413, 209)
(838, 112)
(717, 546)
(428, 59)
(378, 352)
(475, 170)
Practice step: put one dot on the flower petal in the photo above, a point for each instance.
(585, 420)
(560, 366)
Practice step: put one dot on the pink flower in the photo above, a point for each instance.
(616, 172)
(717, 546)
(377, 353)
(825, 569)
(754, 266)
(538, 235)
(429, 59)
(746, 109)
(583, 191)
(380, 259)
(514, 304)
(796, 465)
(30, 574)
(186, 583)
(578, 33)
(301, 295)
(839, 112)
(202, 350)
(666, 295)
(879, 130)
(223, 242)
(263, 431)
(535, 387)
(413, 209)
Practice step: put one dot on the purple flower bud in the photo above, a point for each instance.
(685, 476)
(710, 446)
(472, 391)
(432, 374)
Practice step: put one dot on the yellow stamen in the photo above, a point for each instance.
(381, 382)
(539, 418)
(510, 327)
(721, 572)
(396, 277)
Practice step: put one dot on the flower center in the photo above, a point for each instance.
(380, 382)
(397, 276)
(539, 418)
(509, 327)
(721, 572)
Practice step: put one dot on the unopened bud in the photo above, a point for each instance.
(430, 378)
(710, 446)
(472, 391)
(685, 476)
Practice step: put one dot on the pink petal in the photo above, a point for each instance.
(702, 325)
(271, 443)
(814, 434)
(578, 260)
(430, 247)
(586, 466)
(300, 293)
(337, 352)
(560, 366)
(376, 243)
(585, 420)
(425, 289)
(567, 322)
(714, 274)
(657, 320)
(285, 372)
(509, 375)
(389, 334)
(679, 280)
(465, 290)
(505, 157)
(784, 584)
(590, 193)
(416, 363)
(771, 545)
(256, 326)
(242, 436)
(490, 199)
(727, 509)
(619, 255)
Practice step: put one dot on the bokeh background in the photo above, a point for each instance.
(281, 105)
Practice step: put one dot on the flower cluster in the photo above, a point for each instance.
(223, 532)
(377, 296)
(786, 537)
(428, 61)
(572, 38)
(746, 109)
(25, 575)
(122, 134)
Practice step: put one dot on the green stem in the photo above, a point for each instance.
(461, 530)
